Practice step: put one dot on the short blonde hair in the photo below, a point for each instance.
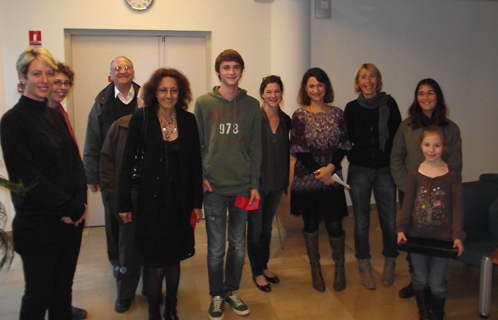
(372, 68)
(31, 54)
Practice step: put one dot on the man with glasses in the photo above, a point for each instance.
(116, 100)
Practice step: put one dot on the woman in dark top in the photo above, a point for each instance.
(372, 120)
(273, 182)
(319, 141)
(39, 150)
(170, 188)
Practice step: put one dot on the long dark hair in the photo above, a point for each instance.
(184, 93)
(438, 117)
(303, 99)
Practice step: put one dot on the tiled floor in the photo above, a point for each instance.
(292, 299)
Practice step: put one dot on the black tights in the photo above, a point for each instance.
(334, 228)
(155, 283)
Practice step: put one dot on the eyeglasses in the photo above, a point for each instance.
(118, 68)
(429, 93)
(59, 83)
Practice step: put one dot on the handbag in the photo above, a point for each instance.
(429, 247)
(140, 152)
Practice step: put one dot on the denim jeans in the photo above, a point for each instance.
(362, 181)
(430, 272)
(259, 229)
(215, 208)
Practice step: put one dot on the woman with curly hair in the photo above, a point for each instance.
(170, 187)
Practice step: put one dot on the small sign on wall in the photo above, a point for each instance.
(35, 38)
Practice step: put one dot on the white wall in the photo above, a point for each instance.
(453, 42)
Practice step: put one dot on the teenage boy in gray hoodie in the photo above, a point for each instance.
(229, 123)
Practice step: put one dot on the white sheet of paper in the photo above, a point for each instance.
(337, 179)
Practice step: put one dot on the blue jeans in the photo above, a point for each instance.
(362, 181)
(215, 208)
(259, 228)
(430, 272)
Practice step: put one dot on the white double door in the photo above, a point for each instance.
(91, 58)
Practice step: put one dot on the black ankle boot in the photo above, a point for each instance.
(406, 292)
(170, 309)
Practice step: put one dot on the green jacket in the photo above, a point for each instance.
(230, 137)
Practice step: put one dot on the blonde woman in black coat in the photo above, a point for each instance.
(170, 187)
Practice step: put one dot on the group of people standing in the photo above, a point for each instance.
(157, 165)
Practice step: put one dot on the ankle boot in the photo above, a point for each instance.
(388, 275)
(422, 297)
(338, 247)
(170, 309)
(366, 274)
(406, 292)
(311, 240)
(437, 307)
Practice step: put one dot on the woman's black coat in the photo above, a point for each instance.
(189, 184)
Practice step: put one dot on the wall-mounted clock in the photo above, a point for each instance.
(139, 5)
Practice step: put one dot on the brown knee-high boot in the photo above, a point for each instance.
(311, 240)
(338, 247)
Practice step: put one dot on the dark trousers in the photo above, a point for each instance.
(111, 229)
(129, 258)
(49, 269)
(259, 227)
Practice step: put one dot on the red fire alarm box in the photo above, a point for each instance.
(35, 38)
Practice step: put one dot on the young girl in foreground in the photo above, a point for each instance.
(432, 209)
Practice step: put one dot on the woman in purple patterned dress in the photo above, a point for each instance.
(319, 142)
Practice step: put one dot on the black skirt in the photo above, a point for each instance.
(320, 205)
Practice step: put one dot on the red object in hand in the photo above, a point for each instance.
(243, 203)
(193, 219)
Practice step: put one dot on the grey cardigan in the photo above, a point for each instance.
(406, 152)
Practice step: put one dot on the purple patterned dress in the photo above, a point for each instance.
(322, 135)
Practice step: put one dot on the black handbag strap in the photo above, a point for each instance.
(139, 154)
(141, 144)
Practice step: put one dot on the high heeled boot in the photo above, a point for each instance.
(388, 275)
(311, 240)
(338, 247)
(366, 274)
